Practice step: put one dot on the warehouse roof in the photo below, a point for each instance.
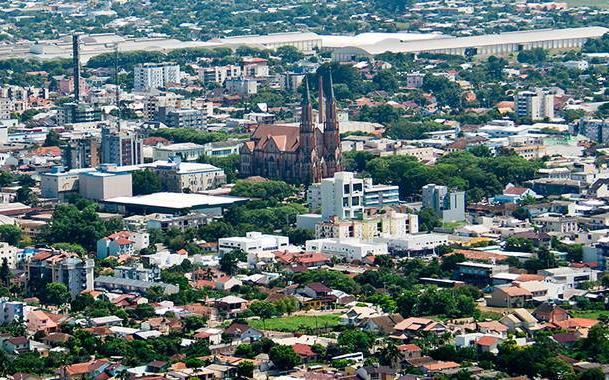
(521, 37)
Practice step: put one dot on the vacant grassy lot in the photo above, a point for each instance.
(592, 314)
(296, 322)
(589, 3)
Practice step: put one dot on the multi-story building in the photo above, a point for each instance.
(218, 74)
(390, 223)
(346, 197)
(183, 118)
(56, 266)
(81, 153)
(596, 130)
(72, 113)
(122, 243)
(222, 148)
(450, 206)
(535, 105)
(138, 272)
(11, 311)
(255, 67)
(155, 75)
(168, 100)
(8, 253)
(254, 242)
(6, 108)
(241, 86)
(121, 148)
(177, 176)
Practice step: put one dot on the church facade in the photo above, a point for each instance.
(297, 154)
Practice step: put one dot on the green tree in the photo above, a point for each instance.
(52, 138)
(145, 182)
(428, 219)
(25, 195)
(289, 54)
(245, 369)
(284, 357)
(10, 233)
(264, 310)
(56, 293)
(355, 340)
(228, 262)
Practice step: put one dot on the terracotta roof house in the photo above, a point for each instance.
(383, 323)
(548, 312)
(90, 369)
(509, 296)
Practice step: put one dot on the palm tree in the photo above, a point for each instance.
(390, 354)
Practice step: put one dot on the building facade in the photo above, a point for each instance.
(450, 206)
(121, 148)
(155, 75)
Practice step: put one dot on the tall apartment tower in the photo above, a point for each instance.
(81, 153)
(450, 206)
(155, 75)
(535, 105)
(121, 148)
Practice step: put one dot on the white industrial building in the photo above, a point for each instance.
(485, 45)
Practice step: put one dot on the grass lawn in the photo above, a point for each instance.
(588, 3)
(592, 314)
(296, 322)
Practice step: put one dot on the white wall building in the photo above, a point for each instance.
(155, 75)
(535, 105)
(350, 249)
(415, 243)
(254, 242)
(9, 253)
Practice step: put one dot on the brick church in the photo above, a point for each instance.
(297, 154)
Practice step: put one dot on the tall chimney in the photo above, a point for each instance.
(76, 65)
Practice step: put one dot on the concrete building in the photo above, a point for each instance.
(6, 108)
(122, 243)
(73, 113)
(138, 272)
(222, 148)
(306, 42)
(534, 105)
(186, 151)
(177, 176)
(81, 153)
(121, 148)
(11, 311)
(54, 266)
(254, 242)
(349, 249)
(164, 222)
(596, 130)
(346, 197)
(450, 206)
(241, 86)
(414, 245)
(387, 224)
(8, 253)
(105, 184)
(219, 74)
(184, 118)
(58, 183)
(155, 75)
(571, 278)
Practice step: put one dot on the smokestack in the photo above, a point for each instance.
(76, 65)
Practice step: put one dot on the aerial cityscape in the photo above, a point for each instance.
(341, 189)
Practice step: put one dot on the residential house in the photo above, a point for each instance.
(231, 304)
(242, 333)
(509, 296)
(549, 312)
(384, 323)
(415, 326)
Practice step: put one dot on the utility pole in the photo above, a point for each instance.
(118, 87)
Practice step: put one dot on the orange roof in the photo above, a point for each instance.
(409, 347)
(440, 365)
(530, 277)
(493, 326)
(572, 323)
(303, 350)
(487, 340)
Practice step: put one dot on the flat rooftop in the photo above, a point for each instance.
(177, 200)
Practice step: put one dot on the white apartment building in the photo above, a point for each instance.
(186, 151)
(254, 242)
(155, 75)
(6, 108)
(8, 253)
(388, 224)
(350, 249)
(178, 176)
(535, 105)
